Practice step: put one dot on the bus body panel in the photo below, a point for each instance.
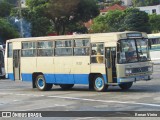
(28, 67)
(81, 69)
(100, 69)
(17, 45)
(62, 72)
(9, 68)
(47, 68)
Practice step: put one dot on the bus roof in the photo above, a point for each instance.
(155, 35)
(113, 36)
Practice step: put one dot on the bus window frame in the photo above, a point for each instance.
(92, 56)
(11, 50)
(29, 49)
(52, 48)
(82, 47)
(63, 47)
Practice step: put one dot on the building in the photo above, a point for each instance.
(124, 2)
(127, 2)
(23, 3)
(150, 9)
(112, 8)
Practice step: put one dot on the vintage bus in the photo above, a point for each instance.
(97, 60)
(2, 71)
(154, 46)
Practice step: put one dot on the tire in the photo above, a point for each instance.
(126, 86)
(99, 84)
(66, 86)
(41, 83)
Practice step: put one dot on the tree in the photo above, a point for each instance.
(139, 3)
(154, 22)
(5, 9)
(108, 23)
(40, 24)
(135, 20)
(7, 31)
(12, 2)
(63, 14)
(131, 19)
(99, 25)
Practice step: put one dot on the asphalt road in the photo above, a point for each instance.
(143, 96)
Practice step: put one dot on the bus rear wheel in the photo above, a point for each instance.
(66, 86)
(126, 86)
(41, 83)
(99, 84)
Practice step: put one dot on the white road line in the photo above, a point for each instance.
(105, 101)
(90, 100)
(84, 118)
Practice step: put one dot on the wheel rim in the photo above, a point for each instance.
(99, 83)
(40, 83)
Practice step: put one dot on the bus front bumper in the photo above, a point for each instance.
(133, 79)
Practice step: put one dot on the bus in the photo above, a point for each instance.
(2, 71)
(154, 46)
(97, 60)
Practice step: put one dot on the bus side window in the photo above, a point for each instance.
(63, 48)
(81, 47)
(10, 51)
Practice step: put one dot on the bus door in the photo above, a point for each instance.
(110, 64)
(1, 63)
(16, 64)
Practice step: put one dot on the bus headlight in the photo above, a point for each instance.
(128, 71)
(150, 68)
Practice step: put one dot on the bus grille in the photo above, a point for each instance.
(140, 69)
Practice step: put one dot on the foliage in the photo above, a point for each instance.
(108, 23)
(7, 31)
(154, 22)
(99, 25)
(12, 2)
(135, 20)
(119, 2)
(131, 19)
(40, 24)
(139, 3)
(5, 9)
(63, 14)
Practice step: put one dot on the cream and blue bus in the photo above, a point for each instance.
(97, 60)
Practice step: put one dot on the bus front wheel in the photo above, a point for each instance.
(99, 84)
(126, 86)
(41, 83)
(66, 86)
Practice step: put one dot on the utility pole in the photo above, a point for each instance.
(20, 14)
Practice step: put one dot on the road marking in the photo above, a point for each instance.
(105, 101)
(84, 118)
(85, 99)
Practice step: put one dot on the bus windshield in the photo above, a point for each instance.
(133, 50)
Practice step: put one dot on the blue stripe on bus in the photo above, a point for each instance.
(60, 78)
(11, 76)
